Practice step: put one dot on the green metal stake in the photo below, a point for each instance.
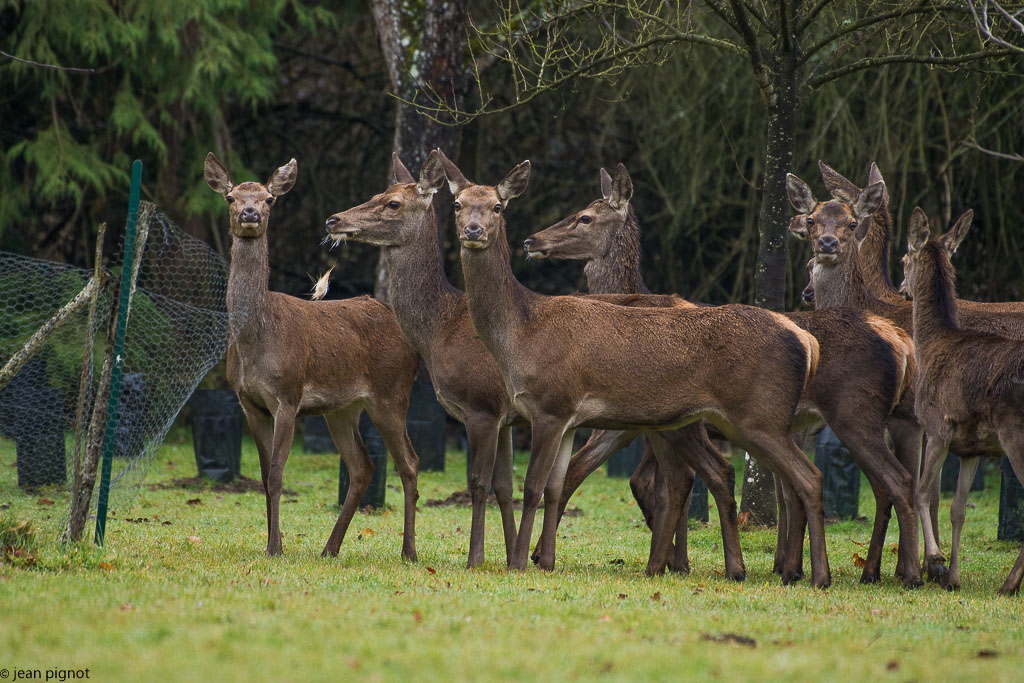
(119, 332)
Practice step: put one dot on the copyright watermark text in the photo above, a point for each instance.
(16, 674)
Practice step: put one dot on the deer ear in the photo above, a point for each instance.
(837, 185)
(606, 184)
(456, 181)
(431, 175)
(955, 235)
(868, 201)
(216, 175)
(622, 189)
(515, 182)
(918, 231)
(875, 176)
(402, 174)
(800, 196)
(283, 178)
(798, 227)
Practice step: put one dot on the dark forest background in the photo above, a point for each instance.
(261, 81)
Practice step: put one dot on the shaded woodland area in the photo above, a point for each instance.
(260, 82)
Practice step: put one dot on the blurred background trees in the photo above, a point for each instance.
(260, 81)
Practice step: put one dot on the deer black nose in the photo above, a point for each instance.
(827, 244)
(473, 231)
(527, 242)
(332, 221)
(808, 293)
(249, 215)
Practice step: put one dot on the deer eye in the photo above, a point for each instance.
(270, 200)
(853, 225)
(393, 204)
(497, 208)
(585, 219)
(229, 198)
(457, 206)
(810, 220)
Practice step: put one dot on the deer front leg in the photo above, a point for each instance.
(262, 427)
(503, 487)
(552, 498)
(284, 432)
(781, 527)
(545, 442)
(599, 448)
(482, 432)
(958, 515)
(344, 428)
(934, 455)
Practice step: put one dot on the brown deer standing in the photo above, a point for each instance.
(606, 235)
(835, 229)
(434, 318)
(970, 384)
(288, 357)
(570, 362)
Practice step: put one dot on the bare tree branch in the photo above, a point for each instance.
(985, 23)
(870, 62)
(69, 69)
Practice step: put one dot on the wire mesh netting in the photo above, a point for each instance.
(177, 330)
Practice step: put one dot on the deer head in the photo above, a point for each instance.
(478, 208)
(835, 228)
(249, 203)
(587, 234)
(395, 216)
(918, 233)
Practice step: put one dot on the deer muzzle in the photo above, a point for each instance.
(338, 230)
(473, 233)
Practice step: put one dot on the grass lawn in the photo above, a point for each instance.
(188, 593)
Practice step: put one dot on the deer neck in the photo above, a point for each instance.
(935, 304)
(618, 270)
(247, 296)
(421, 295)
(874, 257)
(499, 305)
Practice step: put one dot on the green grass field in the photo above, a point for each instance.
(187, 593)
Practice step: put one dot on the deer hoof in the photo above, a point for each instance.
(870, 577)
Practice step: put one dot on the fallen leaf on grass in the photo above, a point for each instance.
(194, 501)
(44, 501)
(875, 612)
(605, 617)
(987, 654)
(732, 638)
(431, 570)
(106, 566)
(368, 531)
(417, 617)
(656, 597)
(165, 523)
(892, 665)
(195, 540)
(622, 596)
(895, 548)
(858, 560)
(127, 607)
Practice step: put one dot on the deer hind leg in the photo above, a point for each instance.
(934, 456)
(552, 498)
(502, 482)
(600, 446)
(796, 524)
(344, 428)
(957, 517)
(545, 444)
(390, 422)
(1011, 439)
(782, 528)
(907, 441)
(482, 432)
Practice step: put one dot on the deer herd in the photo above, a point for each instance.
(900, 382)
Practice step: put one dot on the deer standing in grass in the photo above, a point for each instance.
(835, 229)
(570, 362)
(606, 235)
(289, 357)
(970, 384)
(434, 318)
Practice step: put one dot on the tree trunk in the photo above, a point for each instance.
(423, 48)
(758, 496)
